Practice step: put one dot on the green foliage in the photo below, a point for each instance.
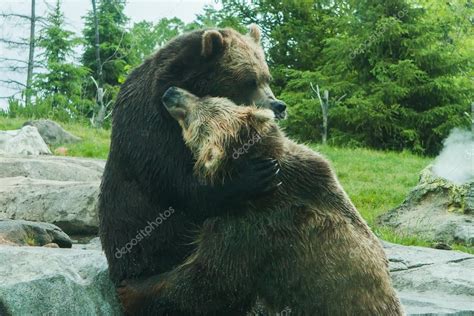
(148, 37)
(59, 88)
(116, 51)
(47, 107)
(399, 72)
(405, 67)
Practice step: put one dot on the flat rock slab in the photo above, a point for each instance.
(52, 168)
(71, 205)
(58, 190)
(38, 281)
(431, 281)
(45, 281)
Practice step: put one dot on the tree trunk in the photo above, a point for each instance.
(31, 54)
(325, 108)
(472, 117)
(99, 120)
(97, 43)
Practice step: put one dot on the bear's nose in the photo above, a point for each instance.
(278, 106)
(170, 97)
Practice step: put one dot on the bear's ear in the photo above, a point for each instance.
(254, 33)
(212, 43)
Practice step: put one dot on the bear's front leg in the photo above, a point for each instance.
(143, 297)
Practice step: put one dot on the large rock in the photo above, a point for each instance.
(25, 141)
(436, 210)
(58, 190)
(41, 281)
(52, 168)
(431, 281)
(46, 281)
(26, 233)
(52, 132)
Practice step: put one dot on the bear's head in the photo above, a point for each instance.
(218, 132)
(223, 63)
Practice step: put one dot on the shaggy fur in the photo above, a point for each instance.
(149, 168)
(305, 248)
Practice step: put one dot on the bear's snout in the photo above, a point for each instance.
(279, 108)
(171, 97)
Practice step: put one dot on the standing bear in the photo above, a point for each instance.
(149, 168)
(304, 248)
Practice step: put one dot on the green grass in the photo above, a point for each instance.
(376, 181)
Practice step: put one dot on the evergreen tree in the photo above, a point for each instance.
(405, 66)
(61, 84)
(116, 51)
(148, 37)
(409, 74)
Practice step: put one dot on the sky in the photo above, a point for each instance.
(74, 10)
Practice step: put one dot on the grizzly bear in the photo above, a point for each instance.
(303, 249)
(149, 169)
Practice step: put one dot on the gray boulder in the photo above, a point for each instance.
(43, 281)
(25, 141)
(431, 281)
(52, 168)
(46, 281)
(52, 132)
(71, 205)
(436, 210)
(58, 190)
(26, 233)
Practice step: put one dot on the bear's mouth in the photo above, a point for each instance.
(281, 115)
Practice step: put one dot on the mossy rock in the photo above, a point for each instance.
(437, 210)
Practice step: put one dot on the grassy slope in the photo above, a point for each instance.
(376, 181)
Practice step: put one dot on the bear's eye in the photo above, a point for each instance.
(252, 84)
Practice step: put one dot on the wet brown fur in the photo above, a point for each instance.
(148, 169)
(305, 247)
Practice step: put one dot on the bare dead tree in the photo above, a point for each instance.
(31, 53)
(18, 65)
(103, 107)
(97, 42)
(98, 121)
(324, 102)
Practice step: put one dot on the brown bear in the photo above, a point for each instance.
(150, 202)
(303, 249)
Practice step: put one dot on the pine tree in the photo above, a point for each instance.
(61, 83)
(116, 51)
(409, 75)
(404, 66)
(148, 37)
